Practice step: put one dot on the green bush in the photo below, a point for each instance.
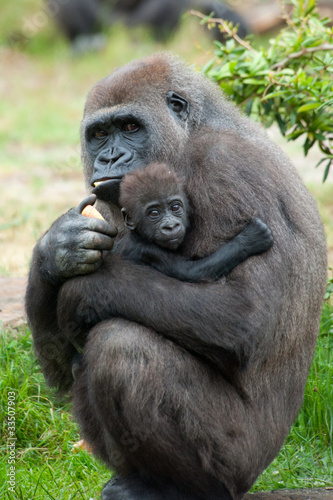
(290, 82)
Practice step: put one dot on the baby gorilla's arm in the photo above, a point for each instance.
(253, 239)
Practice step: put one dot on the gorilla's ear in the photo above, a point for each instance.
(178, 105)
(127, 220)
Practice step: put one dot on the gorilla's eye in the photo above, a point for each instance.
(130, 127)
(100, 134)
(176, 207)
(153, 213)
(176, 106)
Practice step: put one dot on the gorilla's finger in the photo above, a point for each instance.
(96, 241)
(89, 268)
(91, 256)
(101, 226)
(89, 200)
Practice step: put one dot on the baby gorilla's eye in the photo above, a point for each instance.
(100, 134)
(130, 127)
(154, 212)
(176, 207)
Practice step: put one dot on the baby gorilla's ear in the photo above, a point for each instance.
(127, 220)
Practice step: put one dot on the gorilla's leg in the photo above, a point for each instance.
(91, 429)
(134, 487)
(142, 405)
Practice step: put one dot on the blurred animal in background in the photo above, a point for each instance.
(81, 21)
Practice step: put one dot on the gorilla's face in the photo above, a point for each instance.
(121, 138)
(116, 142)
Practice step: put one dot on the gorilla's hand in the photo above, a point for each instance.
(74, 244)
(255, 237)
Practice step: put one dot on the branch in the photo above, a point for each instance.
(224, 26)
(300, 53)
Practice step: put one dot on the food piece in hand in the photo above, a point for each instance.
(90, 211)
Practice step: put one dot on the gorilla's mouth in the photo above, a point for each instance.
(107, 189)
(106, 179)
(171, 244)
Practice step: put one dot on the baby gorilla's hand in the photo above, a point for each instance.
(256, 237)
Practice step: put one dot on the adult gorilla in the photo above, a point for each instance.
(187, 390)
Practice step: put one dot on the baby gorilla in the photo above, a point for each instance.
(156, 210)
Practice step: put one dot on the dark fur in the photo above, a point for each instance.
(155, 181)
(156, 184)
(189, 386)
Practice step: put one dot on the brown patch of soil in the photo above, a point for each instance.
(12, 292)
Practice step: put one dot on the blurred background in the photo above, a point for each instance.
(51, 53)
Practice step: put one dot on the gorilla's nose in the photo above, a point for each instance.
(113, 155)
(170, 227)
(111, 162)
(117, 154)
(105, 157)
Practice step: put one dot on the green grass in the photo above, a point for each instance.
(47, 468)
(306, 460)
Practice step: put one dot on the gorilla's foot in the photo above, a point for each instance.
(135, 488)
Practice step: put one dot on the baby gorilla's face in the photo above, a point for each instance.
(164, 222)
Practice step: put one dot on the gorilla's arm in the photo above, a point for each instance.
(72, 246)
(253, 239)
(189, 314)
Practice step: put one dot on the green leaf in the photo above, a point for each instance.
(319, 136)
(232, 66)
(294, 135)
(312, 42)
(308, 145)
(320, 162)
(248, 107)
(308, 107)
(264, 72)
(274, 94)
(254, 81)
(311, 7)
(208, 66)
(223, 72)
(327, 169)
(293, 118)
(282, 124)
(228, 89)
(287, 71)
(327, 103)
